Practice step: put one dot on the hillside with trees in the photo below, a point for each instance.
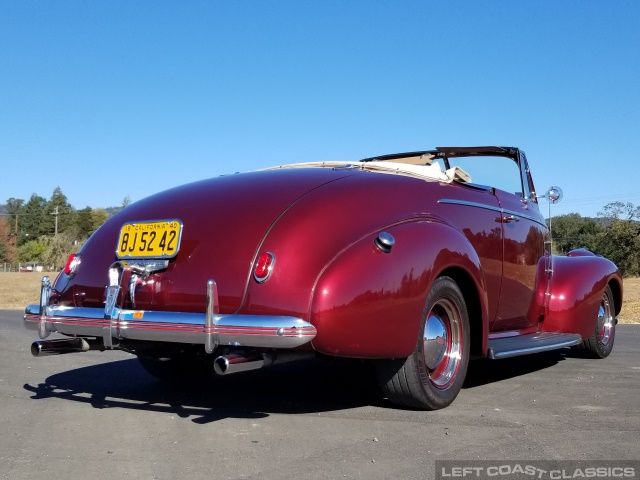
(615, 234)
(47, 231)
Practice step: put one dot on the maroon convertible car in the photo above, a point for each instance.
(415, 261)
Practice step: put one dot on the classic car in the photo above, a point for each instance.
(414, 261)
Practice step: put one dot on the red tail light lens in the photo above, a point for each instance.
(264, 267)
(72, 264)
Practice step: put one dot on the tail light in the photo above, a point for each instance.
(264, 267)
(72, 265)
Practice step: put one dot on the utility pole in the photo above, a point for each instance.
(15, 242)
(56, 215)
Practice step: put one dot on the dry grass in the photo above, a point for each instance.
(631, 302)
(20, 289)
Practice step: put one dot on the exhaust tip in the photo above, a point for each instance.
(45, 348)
(234, 363)
(220, 365)
(36, 349)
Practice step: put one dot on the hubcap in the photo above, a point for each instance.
(606, 322)
(435, 341)
(442, 343)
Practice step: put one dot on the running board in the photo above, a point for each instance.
(532, 343)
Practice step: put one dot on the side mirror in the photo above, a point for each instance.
(553, 195)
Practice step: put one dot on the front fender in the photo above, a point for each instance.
(576, 290)
(369, 304)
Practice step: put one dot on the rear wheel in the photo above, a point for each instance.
(600, 344)
(432, 376)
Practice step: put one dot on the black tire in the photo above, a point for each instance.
(180, 367)
(432, 376)
(600, 343)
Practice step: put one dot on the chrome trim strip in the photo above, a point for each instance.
(523, 215)
(452, 201)
(531, 343)
(265, 331)
(528, 350)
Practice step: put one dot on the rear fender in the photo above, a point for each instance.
(368, 304)
(576, 290)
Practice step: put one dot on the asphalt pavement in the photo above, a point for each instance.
(101, 416)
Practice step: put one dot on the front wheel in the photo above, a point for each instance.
(432, 376)
(600, 343)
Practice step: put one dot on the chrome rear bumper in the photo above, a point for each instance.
(210, 329)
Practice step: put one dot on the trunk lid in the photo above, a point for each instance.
(224, 219)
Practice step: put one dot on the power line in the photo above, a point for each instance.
(600, 200)
(35, 214)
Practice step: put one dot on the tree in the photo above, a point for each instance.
(617, 210)
(7, 250)
(58, 209)
(98, 217)
(84, 222)
(4, 252)
(620, 243)
(620, 240)
(58, 248)
(14, 206)
(126, 201)
(31, 251)
(88, 220)
(572, 231)
(32, 219)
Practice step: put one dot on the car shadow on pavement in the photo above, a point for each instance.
(483, 371)
(308, 386)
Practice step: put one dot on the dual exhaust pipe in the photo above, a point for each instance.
(222, 365)
(45, 348)
(242, 362)
(235, 362)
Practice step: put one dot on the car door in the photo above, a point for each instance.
(524, 236)
(519, 247)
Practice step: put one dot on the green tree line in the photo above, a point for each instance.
(615, 234)
(28, 231)
(47, 231)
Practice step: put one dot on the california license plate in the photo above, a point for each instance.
(153, 239)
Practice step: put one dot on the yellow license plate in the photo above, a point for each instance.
(156, 239)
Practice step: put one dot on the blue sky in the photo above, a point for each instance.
(108, 99)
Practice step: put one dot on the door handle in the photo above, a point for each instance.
(510, 218)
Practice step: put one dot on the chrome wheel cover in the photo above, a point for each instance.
(435, 341)
(442, 342)
(606, 321)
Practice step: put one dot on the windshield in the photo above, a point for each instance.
(490, 171)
